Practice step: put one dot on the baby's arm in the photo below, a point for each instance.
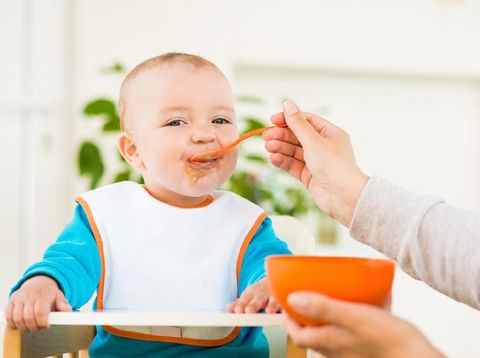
(68, 275)
(252, 286)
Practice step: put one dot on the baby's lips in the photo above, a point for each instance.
(207, 164)
(205, 156)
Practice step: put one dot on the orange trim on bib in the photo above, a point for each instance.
(204, 203)
(246, 242)
(189, 341)
(98, 240)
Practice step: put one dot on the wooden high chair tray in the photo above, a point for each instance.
(159, 318)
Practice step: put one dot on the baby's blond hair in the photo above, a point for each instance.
(167, 58)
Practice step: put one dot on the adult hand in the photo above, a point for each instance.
(320, 155)
(354, 330)
(29, 306)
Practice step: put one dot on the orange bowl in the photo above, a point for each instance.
(353, 279)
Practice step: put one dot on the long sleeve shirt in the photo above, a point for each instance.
(431, 240)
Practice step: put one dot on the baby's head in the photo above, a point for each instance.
(171, 107)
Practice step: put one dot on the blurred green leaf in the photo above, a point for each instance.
(251, 124)
(106, 109)
(116, 68)
(122, 176)
(121, 158)
(249, 99)
(112, 124)
(241, 183)
(90, 163)
(256, 158)
(99, 106)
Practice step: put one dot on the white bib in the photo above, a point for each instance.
(156, 256)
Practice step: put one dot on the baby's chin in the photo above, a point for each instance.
(200, 186)
(199, 189)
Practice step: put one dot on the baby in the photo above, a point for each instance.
(172, 244)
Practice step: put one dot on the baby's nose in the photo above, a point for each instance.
(203, 135)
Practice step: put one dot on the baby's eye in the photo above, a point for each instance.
(221, 121)
(175, 123)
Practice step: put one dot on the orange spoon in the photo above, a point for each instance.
(217, 153)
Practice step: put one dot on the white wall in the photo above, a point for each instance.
(35, 122)
(421, 132)
(417, 36)
(374, 55)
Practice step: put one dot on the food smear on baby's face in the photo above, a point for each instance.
(198, 169)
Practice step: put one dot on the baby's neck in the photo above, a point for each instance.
(179, 200)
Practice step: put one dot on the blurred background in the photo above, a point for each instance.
(402, 77)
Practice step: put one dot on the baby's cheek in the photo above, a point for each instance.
(232, 158)
(227, 165)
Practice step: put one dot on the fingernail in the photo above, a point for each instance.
(297, 300)
(290, 107)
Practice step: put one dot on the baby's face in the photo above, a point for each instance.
(175, 111)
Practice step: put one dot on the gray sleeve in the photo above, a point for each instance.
(432, 241)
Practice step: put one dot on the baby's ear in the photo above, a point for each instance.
(128, 150)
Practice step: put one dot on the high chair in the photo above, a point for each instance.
(73, 341)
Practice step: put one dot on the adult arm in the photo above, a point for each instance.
(431, 240)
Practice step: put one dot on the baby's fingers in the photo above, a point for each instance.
(258, 302)
(29, 316)
(242, 302)
(17, 316)
(273, 306)
(61, 303)
(9, 314)
(42, 309)
(231, 306)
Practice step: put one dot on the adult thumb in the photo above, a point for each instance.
(299, 125)
(61, 303)
(329, 310)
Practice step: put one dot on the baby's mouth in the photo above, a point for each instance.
(208, 164)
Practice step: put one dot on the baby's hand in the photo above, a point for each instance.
(29, 306)
(253, 299)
